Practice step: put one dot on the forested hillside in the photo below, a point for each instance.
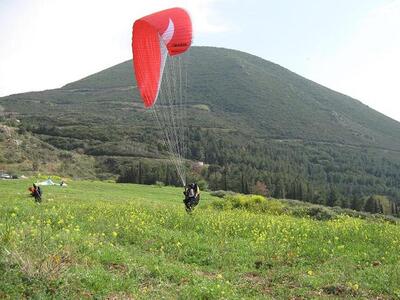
(257, 127)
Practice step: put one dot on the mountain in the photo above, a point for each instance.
(251, 120)
(269, 99)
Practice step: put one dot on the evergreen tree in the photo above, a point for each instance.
(370, 205)
(333, 197)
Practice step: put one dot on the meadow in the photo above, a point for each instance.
(123, 241)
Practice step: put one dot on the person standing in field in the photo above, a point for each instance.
(192, 196)
(36, 192)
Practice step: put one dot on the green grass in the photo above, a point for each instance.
(106, 240)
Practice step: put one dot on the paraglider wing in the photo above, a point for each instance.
(157, 41)
(153, 38)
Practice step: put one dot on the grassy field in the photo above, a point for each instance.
(114, 241)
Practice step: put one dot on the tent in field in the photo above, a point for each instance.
(46, 182)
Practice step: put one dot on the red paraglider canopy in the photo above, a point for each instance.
(153, 38)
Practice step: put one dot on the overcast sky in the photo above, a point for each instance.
(352, 46)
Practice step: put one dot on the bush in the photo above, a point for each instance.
(105, 176)
(253, 203)
(316, 212)
(221, 193)
(295, 208)
(203, 185)
(221, 204)
(321, 213)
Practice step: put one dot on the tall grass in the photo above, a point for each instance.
(105, 240)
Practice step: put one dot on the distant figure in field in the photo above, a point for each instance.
(39, 194)
(36, 192)
(63, 184)
(192, 196)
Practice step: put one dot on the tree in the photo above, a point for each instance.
(279, 191)
(260, 188)
(371, 205)
(333, 197)
(357, 202)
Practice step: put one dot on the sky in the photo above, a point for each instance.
(351, 46)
